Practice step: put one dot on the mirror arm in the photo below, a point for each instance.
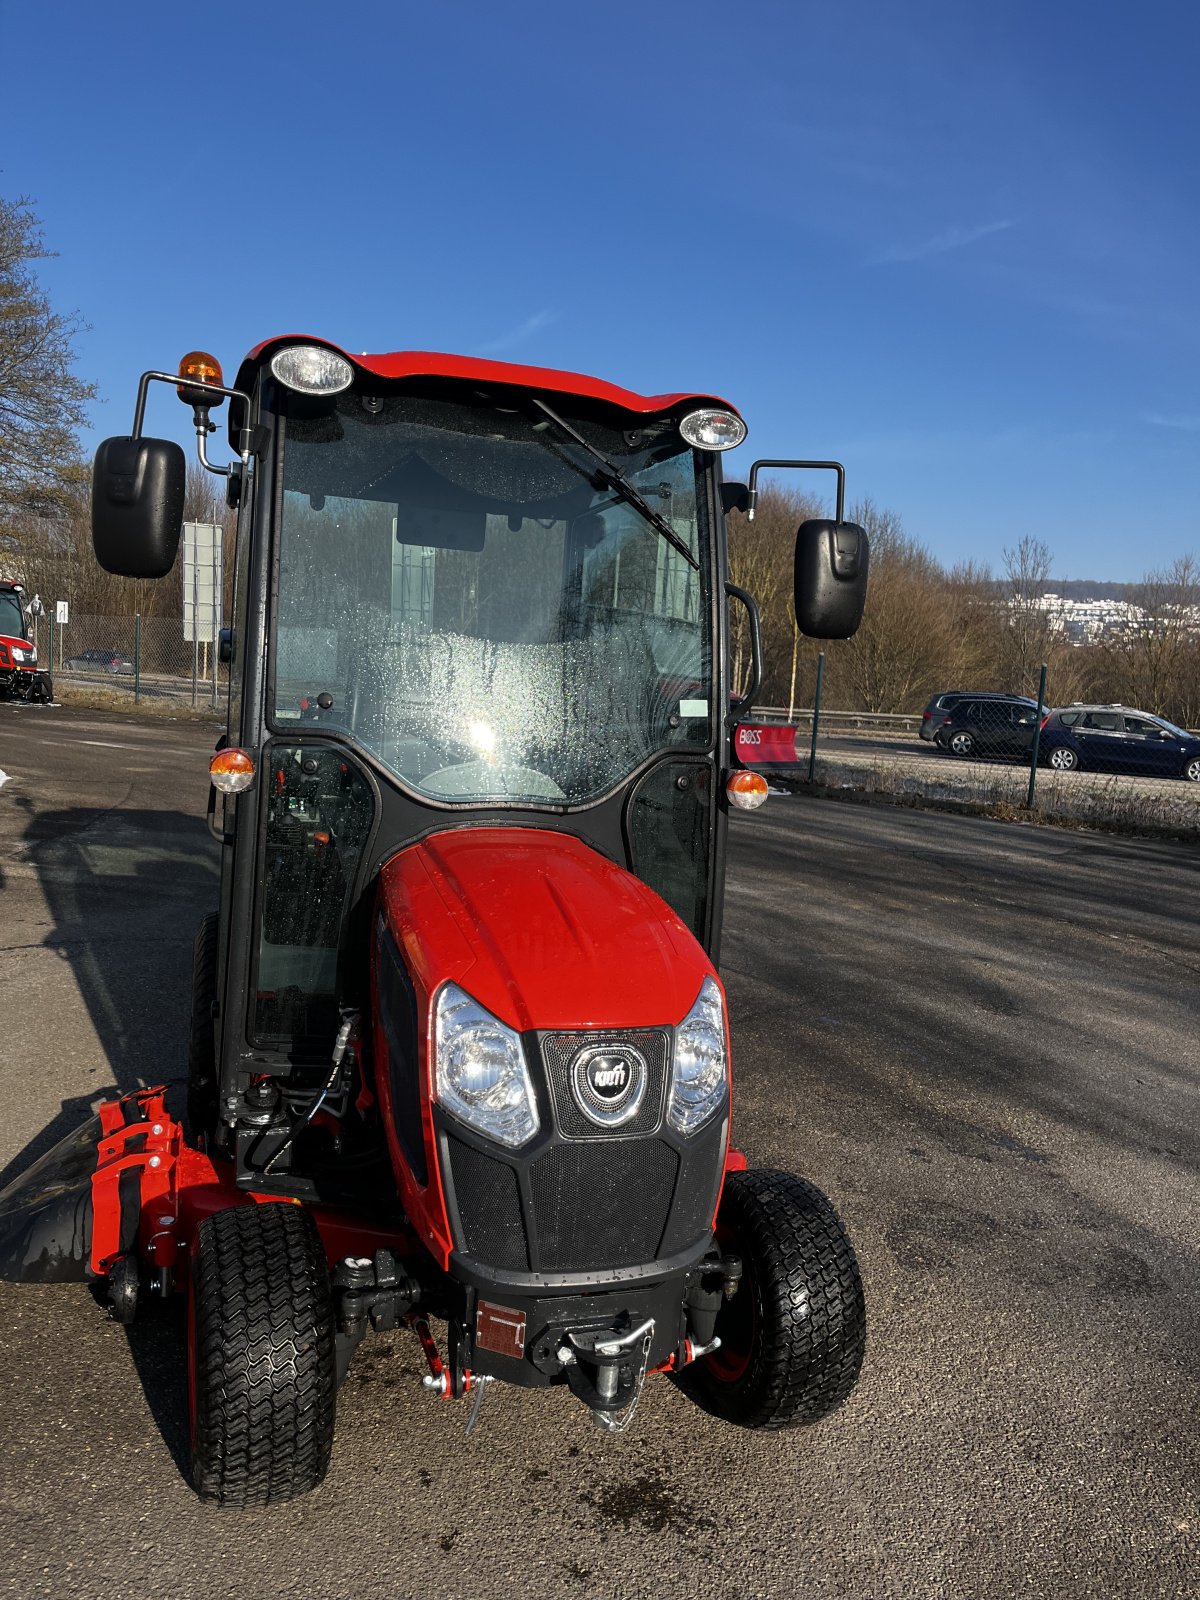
(203, 425)
(756, 652)
(820, 466)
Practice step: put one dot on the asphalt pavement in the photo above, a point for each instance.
(980, 1038)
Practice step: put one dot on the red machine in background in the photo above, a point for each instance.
(20, 676)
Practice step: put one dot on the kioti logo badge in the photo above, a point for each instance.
(608, 1083)
(608, 1076)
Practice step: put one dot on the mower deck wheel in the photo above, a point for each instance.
(792, 1337)
(261, 1372)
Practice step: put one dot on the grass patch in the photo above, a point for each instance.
(96, 697)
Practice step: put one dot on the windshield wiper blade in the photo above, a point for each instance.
(616, 480)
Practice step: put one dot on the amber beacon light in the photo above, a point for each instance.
(199, 367)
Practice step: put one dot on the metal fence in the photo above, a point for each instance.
(1103, 764)
(139, 658)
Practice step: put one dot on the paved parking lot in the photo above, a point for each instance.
(980, 1038)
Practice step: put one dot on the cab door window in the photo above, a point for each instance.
(319, 811)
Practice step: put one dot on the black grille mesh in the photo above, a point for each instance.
(560, 1049)
(602, 1204)
(489, 1208)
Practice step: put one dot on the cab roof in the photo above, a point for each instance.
(400, 364)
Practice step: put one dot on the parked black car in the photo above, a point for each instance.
(1118, 739)
(988, 725)
(98, 661)
(934, 716)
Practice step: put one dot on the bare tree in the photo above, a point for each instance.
(907, 643)
(1026, 641)
(1156, 662)
(42, 402)
(761, 561)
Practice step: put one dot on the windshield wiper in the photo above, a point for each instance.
(613, 478)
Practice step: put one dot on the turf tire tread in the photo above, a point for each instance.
(810, 1312)
(265, 1380)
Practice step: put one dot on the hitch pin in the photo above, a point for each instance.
(613, 1347)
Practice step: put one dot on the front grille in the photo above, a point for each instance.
(559, 1051)
(601, 1205)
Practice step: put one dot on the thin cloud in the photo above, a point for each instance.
(1180, 424)
(952, 238)
(516, 336)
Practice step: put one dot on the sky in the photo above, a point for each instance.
(955, 246)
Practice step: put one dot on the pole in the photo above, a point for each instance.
(50, 620)
(137, 658)
(812, 753)
(214, 631)
(195, 619)
(1037, 739)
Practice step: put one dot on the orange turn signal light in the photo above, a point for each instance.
(231, 771)
(746, 790)
(199, 367)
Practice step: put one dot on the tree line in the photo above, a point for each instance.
(928, 628)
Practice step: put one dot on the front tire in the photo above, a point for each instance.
(261, 1371)
(793, 1336)
(1191, 770)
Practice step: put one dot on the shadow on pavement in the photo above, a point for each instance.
(126, 890)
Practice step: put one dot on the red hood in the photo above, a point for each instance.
(540, 929)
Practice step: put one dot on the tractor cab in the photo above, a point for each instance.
(459, 1004)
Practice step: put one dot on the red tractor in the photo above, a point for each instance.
(20, 678)
(459, 1047)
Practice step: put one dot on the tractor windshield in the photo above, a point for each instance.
(465, 594)
(12, 622)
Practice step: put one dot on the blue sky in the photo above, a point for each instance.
(956, 246)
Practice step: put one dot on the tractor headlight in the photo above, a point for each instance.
(699, 1072)
(18, 654)
(713, 430)
(312, 369)
(479, 1070)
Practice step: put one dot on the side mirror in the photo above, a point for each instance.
(137, 506)
(831, 578)
(225, 646)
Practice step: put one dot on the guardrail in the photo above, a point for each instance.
(802, 716)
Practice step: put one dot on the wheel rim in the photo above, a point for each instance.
(1062, 759)
(1192, 771)
(962, 744)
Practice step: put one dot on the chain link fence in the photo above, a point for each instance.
(1104, 765)
(138, 658)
